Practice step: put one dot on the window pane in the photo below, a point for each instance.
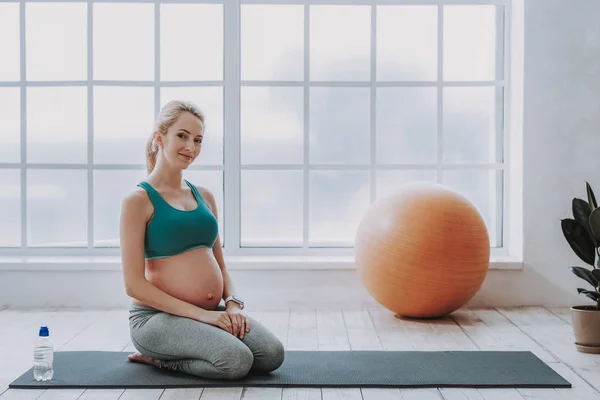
(57, 125)
(406, 125)
(339, 125)
(213, 181)
(123, 41)
(57, 208)
(191, 42)
(469, 124)
(469, 42)
(272, 42)
(210, 101)
(10, 207)
(338, 200)
(407, 43)
(123, 123)
(10, 42)
(480, 187)
(10, 128)
(110, 187)
(340, 42)
(389, 181)
(272, 125)
(271, 209)
(56, 41)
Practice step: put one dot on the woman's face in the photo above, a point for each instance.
(183, 141)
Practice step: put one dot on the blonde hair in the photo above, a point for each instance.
(164, 120)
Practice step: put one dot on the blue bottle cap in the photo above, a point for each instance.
(44, 331)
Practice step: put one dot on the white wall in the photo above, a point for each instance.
(561, 150)
(561, 145)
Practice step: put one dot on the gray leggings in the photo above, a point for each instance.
(202, 349)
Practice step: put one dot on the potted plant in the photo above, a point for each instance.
(583, 235)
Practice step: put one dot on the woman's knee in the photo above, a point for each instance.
(236, 364)
(273, 355)
(276, 355)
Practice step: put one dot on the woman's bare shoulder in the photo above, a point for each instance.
(207, 195)
(204, 191)
(137, 199)
(136, 196)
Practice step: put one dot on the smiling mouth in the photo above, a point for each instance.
(186, 157)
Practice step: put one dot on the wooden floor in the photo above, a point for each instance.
(545, 332)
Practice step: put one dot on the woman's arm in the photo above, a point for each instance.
(228, 287)
(132, 230)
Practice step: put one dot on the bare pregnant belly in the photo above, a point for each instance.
(193, 276)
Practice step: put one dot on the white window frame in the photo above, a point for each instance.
(231, 124)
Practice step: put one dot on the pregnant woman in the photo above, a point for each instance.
(173, 266)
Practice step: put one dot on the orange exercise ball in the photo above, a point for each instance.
(423, 251)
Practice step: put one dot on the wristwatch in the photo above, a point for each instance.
(235, 299)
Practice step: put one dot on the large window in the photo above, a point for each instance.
(314, 110)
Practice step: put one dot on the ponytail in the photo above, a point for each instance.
(150, 155)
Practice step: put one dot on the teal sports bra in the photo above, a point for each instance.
(172, 231)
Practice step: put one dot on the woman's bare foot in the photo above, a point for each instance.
(137, 357)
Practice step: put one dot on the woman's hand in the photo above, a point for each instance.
(220, 319)
(240, 322)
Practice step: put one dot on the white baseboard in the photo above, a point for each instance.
(242, 263)
(261, 289)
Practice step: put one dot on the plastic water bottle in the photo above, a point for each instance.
(43, 356)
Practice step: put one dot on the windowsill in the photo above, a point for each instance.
(281, 263)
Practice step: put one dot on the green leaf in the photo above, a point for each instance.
(596, 274)
(586, 275)
(581, 212)
(591, 197)
(594, 224)
(579, 240)
(592, 295)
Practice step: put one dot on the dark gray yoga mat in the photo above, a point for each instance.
(382, 369)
